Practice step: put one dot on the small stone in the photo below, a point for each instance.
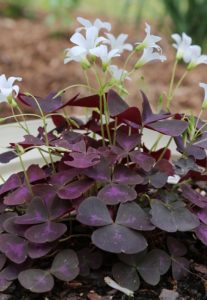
(168, 295)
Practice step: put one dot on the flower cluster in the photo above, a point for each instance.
(190, 54)
(89, 46)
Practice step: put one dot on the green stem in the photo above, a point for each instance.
(154, 146)
(25, 174)
(165, 149)
(106, 113)
(169, 94)
(73, 86)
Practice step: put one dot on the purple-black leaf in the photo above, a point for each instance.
(93, 212)
(65, 265)
(36, 280)
(14, 247)
(2, 260)
(202, 214)
(169, 127)
(75, 189)
(127, 142)
(145, 161)
(201, 233)
(35, 214)
(117, 193)
(126, 276)
(39, 250)
(193, 196)
(7, 157)
(133, 216)
(3, 217)
(49, 104)
(13, 182)
(180, 267)
(125, 175)
(19, 196)
(116, 104)
(175, 217)
(47, 232)
(89, 260)
(116, 238)
(176, 247)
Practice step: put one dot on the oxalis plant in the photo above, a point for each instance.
(102, 198)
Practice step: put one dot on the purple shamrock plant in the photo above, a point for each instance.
(102, 192)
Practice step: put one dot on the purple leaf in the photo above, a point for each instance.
(175, 247)
(113, 193)
(4, 217)
(35, 214)
(169, 127)
(173, 218)
(101, 171)
(35, 173)
(75, 189)
(11, 227)
(202, 214)
(126, 276)
(116, 104)
(47, 232)
(2, 260)
(11, 183)
(117, 239)
(158, 179)
(147, 114)
(149, 269)
(19, 196)
(12, 270)
(180, 267)
(39, 250)
(131, 116)
(133, 216)
(201, 233)
(36, 280)
(125, 175)
(4, 284)
(83, 160)
(49, 104)
(6, 157)
(14, 247)
(127, 142)
(193, 196)
(46, 192)
(65, 265)
(63, 177)
(89, 260)
(93, 212)
(143, 160)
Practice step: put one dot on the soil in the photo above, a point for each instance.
(31, 50)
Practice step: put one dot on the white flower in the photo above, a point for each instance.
(105, 55)
(195, 57)
(119, 74)
(182, 44)
(148, 56)
(7, 88)
(204, 86)
(83, 45)
(150, 40)
(97, 23)
(119, 42)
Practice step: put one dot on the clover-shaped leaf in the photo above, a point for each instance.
(39, 250)
(133, 216)
(93, 212)
(36, 280)
(144, 161)
(175, 216)
(180, 265)
(126, 276)
(46, 232)
(89, 259)
(14, 247)
(112, 237)
(117, 193)
(75, 189)
(193, 196)
(116, 239)
(125, 175)
(65, 265)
